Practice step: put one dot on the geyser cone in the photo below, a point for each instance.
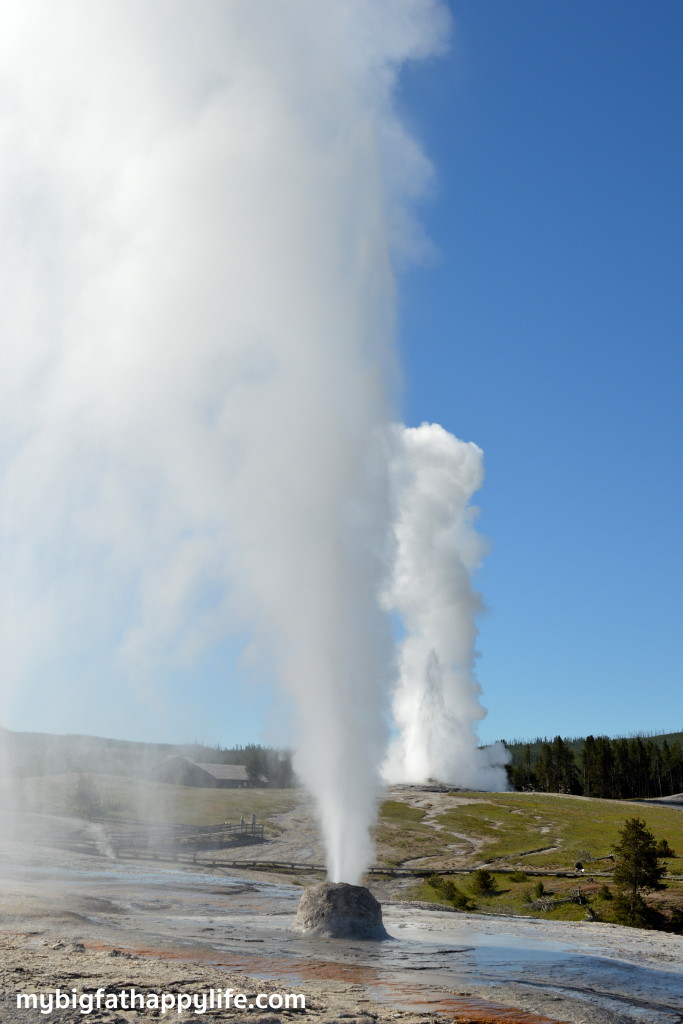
(337, 910)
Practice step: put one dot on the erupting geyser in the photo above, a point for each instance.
(198, 393)
(436, 703)
(336, 910)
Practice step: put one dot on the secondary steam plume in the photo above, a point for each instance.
(436, 705)
(199, 205)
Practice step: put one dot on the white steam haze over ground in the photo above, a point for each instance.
(201, 208)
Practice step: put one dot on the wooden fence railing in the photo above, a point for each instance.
(182, 838)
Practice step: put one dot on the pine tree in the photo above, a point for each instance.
(521, 774)
(604, 768)
(588, 767)
(623, 786)
(566, 775)
(637, 870)
(483, 883)
(544, 769)
(637, 867)
(256, 763)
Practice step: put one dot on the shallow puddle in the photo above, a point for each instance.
(400, 994)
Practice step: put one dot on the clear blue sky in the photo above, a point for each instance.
(548, 330)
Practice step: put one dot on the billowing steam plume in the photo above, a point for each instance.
(437, 704)
(200, 204)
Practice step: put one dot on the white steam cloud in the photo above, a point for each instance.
(200, 205)
(436, 704)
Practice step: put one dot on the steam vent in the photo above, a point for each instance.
(340, 911)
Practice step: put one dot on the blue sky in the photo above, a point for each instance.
(548, 330)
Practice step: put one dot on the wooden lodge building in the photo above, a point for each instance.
(181, 771)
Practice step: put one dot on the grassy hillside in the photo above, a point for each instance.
(515, 830)
(430, 832)
(520, 896)
(515, 835)
(120, 799)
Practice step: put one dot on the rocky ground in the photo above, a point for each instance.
(44, 963)
(80, 938)
(47, 960)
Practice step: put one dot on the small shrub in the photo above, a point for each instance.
(538, 890)
(664, 850)
(448, 890)
(519, 876)
(605, 893)
(483, 883)
(456, 897)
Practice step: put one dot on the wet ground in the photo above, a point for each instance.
(446, 963)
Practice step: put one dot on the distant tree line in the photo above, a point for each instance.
(205, 754)
(618, 769)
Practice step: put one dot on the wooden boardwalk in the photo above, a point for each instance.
(177, 839)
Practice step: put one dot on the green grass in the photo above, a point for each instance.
(395, 810)
(505, 827)
(502, 827)
(402, 834)
(511, 898)
(397, 844)
(512, 824)
(158, 802)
